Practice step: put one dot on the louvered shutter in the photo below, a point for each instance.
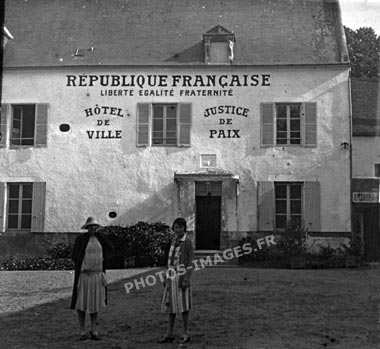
(265, 206)
(142, 137)
(310, 124)
(267, 124)
(312, 216)
(184, 124)
(3, 124)
(41, 125)
(38, 207)
(2, 205)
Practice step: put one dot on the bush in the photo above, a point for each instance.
(36, 263)
(292, 241)
(326, 258)
(148, 242)
(60, 250)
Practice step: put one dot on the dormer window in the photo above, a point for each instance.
(6, 36)
(219, 45)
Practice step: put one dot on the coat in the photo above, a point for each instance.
(79, 251)
(185, 259)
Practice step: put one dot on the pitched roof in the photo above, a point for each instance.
(365, 107)
(160, 32)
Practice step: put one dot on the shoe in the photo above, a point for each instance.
(94, 336)
(166, 339)
(82, 337)
(184, 339)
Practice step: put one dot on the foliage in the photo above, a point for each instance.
(364, 50)
(327, 257)
(355, 246)
(60, 250)
(36, 263)
(264, 253)
(292, 241)
(148, 242)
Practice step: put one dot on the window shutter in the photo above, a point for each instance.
(312, 214)
(142, 137)
(267, 124)
(184, 124)
(38, 206)
(2, 202)
(41, 125)
(310, 124)
(265, 206)
(3, 125)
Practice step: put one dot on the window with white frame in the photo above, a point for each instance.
(24, 204)
(163, 124)
(20, 197)
(28, 125)
(288, 124)
(288, 204)
(23, 125)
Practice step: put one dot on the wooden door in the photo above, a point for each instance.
(208, 215)
(366, 222)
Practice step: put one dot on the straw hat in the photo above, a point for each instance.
(90, 221)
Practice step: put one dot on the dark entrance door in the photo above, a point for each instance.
(366, 222)
(208, 215)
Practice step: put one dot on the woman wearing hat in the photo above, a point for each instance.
(90, 251)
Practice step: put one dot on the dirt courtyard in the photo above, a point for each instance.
(232, 308)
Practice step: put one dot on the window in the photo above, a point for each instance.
(279, 203)
(23, 122)
(377, 170)
(28, 125)
(20, 206)
(24, 206)
(288, 204)
(218, 52)
(219, 45)
(288, 124)
(163, 124)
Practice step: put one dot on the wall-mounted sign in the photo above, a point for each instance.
(162, 85)
(228, 112)
(103, 110)
(365, 197)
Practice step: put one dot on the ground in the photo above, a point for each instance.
(232, 308)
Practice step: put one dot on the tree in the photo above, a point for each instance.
(364, 50)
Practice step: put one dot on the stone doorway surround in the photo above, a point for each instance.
(229, 205)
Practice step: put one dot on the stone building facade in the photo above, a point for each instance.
(233, 116)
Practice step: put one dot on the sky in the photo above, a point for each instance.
(361, 13)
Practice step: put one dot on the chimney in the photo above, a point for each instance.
(6, 36)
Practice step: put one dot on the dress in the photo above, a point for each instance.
(175, 300)
(91, 290)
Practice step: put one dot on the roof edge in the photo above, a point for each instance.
(183, 66)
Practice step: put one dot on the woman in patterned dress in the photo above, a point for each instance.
(89, 292)
(177, 292)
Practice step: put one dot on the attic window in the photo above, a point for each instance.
(79, 52)
(219, 45)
